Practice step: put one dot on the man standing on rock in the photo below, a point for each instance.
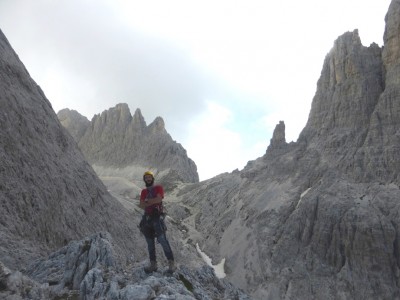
(152, 224)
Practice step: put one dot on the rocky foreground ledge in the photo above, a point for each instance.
(88, 269)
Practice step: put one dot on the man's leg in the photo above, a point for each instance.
(151, 246)
(159, 229)
(162, 239)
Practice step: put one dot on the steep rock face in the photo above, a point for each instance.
(347, 95)
(74, 121)
(348, 89)
(318, 219)
(49, 194)
(354, 117)
(384, 133)
(116, 139)
(278, 138)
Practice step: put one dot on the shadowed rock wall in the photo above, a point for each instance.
(319, 218)
(49, 194)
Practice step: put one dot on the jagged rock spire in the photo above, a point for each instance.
(158, 125)
(348, 89)
(116, 139)
(73, 120)
(138, 121)
(278, 137)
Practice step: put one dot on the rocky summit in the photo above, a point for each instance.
(115, 140)
(319, 218)
(313, 219)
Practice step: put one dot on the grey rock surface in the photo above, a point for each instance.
(49, 194)
(74, 122)
(87, 269)
(312, 219)
(318, 218)
(115, 139)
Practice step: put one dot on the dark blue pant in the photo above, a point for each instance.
(162, 239)
(154, 227)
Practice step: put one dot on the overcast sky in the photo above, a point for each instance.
(220, 73)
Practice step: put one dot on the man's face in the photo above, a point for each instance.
(148, 179)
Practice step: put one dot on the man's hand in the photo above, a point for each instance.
(151, 201)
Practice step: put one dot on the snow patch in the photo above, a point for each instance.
(302, 195)
(218, 269)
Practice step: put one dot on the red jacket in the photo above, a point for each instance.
(152, 192)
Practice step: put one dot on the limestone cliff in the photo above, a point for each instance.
(116, 139)
(49, 194)
(74, 121)
(318, 219)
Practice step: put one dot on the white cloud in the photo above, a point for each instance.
(214, 147)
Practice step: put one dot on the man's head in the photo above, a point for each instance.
(148, 178)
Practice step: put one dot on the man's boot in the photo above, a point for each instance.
(171, 266)
(151, 267)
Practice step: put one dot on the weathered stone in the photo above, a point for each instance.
(140, 292)
(50, 195)
(74, 121)
(102, 279)
(318, 219)
(314, 219)
(115, 139)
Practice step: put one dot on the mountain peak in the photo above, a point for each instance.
(391, 38)
(75, 121)
(347, 91)
(115, 139)
(157, 125)
(119, 114)
(138, 119)
(278, 137)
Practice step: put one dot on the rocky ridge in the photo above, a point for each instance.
(115, 140)
(75, 123)
(318, 218)
(49, 193)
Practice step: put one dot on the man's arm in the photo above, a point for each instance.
(150, 201)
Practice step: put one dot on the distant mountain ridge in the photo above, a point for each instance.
(116, 139)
